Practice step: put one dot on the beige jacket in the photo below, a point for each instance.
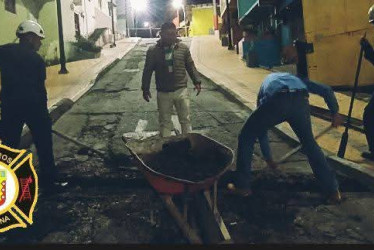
(165, 81)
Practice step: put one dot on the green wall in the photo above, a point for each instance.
(47, 17)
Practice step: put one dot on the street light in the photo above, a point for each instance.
(112, 5)
(147, 25)
(177, 4)
(228, 15)
(138, 6)
(63, 69)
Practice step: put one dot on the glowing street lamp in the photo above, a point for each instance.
(177, 4)
(138, 6)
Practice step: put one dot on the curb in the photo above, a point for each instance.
(64, 105)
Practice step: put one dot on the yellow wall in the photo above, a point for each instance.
(335, 28)
(202, 21)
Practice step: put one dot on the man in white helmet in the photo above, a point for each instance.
(24, 97)
(368, 118)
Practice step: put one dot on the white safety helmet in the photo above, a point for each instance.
(30, 26)
(371, 14)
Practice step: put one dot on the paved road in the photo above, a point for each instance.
(109, 201)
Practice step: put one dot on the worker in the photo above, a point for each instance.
(284, 97)
(24, 98)
(171, 60)
(368, 117)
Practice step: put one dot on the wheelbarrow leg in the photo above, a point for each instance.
(218, 219)
(213, 229)
(189, 233)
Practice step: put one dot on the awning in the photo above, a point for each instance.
(246, 6)
(254, 10)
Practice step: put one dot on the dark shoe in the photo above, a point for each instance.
(243, 192)
(334, 198)
(368, 155)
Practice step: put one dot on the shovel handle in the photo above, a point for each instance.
(295, 150)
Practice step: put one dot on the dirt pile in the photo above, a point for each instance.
(179, 160)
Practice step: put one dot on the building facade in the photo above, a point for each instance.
(79, 18)
(331, 31)
(202, 20)
(125, 17)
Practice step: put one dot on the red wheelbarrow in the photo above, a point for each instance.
(187, 166)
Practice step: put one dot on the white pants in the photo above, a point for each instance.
(180, 99)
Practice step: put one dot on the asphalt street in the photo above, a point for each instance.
(108, 200)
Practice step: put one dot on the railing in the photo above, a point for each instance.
(152, 32)
(143, 32)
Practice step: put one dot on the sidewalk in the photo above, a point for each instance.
(225, 68)
(82, 74)
(64, 89)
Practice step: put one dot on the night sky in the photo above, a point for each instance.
(162, 10)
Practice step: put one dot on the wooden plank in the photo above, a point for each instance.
(217, 215)
(213, 231)
(188, 232)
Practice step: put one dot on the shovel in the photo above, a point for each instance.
(344, 139)
(295, 150)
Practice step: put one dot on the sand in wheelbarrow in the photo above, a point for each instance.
(178, 160)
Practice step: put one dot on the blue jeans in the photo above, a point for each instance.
(294, 109)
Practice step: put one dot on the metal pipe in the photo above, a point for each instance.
(215, 15)
(86, 17)
(63, 69)
(135, 24)
(114, 32)
(230, 47)
(185, 21)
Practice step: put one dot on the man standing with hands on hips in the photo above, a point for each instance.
(170, 59)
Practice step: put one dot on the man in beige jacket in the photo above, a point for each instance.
(171, 60)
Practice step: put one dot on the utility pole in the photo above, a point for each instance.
(185, 21)
(228, 13)
(114, 32)
(127, 19)
(215, 15)
(135, 26)
(63, 69)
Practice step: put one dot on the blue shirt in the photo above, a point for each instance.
(276, 82)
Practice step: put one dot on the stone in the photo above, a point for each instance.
(81, 158)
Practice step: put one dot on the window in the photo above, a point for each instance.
(10, 5)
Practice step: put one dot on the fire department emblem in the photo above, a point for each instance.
(18, 188)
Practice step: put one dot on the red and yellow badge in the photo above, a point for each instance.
(18, 188)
